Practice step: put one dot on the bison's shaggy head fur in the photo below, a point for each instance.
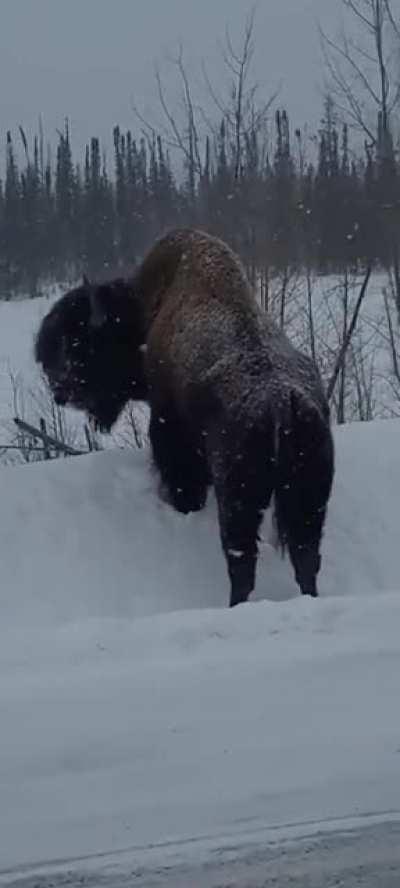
(89, 346)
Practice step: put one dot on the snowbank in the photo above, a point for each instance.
(136, 709)
(89, 537)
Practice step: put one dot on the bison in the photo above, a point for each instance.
(233, 403)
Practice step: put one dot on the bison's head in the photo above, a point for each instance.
(90, 346)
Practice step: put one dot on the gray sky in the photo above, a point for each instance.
(87, 59)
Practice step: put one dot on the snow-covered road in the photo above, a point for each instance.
(347, 855)
(204, 723)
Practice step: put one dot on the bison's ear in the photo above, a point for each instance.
(98, 314)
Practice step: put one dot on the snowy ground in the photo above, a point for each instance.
(148, 730)
(139, 713)
(19, 321)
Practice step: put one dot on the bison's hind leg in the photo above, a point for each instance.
(180, 460)
(244, 478)
(305, 475)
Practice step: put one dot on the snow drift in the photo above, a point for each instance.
(89, 537)
(136, 709)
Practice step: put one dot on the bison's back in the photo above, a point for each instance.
(209, 342)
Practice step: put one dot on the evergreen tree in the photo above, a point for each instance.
(66, 241)
(283, 197)
(276, 211)
(12, 219)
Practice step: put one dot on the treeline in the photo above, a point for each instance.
(278, 209)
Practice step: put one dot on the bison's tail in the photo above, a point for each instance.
(304, 462)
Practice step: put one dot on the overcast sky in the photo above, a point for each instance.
(88, 59)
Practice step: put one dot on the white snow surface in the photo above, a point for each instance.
(136, 709)
(19, 321)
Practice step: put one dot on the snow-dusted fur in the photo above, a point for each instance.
(233, 403)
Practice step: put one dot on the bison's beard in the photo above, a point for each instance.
(102, 414)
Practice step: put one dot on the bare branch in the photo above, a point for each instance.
(239, 111)
(148, 129)
(395, 25)
(350, 330)
(364, 73)
(345, 54)
(48, 440)
(171, 120)
(341, 88)
(217, 101)
(193, 134)
(352, 6)
(392, 337)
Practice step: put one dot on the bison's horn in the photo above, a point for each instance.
(97, 313)
(85, 281)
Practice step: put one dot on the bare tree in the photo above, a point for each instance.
(363, 378)
(240, 109)
(363, 66)
(182, 136)
(363, 70)
(392, 334)
(349, 327)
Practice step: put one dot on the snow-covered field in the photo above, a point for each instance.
(140, 717)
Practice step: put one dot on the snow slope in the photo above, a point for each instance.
(137, 710)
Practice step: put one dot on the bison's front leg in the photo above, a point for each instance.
(179, 460)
